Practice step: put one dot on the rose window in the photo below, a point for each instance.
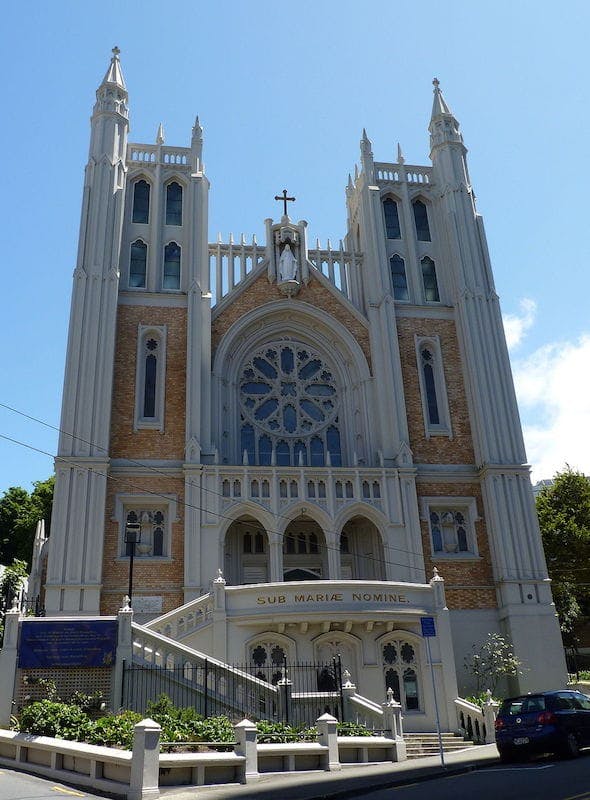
(289, 407)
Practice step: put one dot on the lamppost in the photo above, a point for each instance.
(132, 537)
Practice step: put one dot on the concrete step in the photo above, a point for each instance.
(419, 745)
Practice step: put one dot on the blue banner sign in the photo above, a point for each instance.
(428, 629)
(67, 643)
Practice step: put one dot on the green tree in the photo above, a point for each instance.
(564, 518)
(491, 661)
(19, 513)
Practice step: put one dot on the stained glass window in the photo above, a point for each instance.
(429, 280)
(398, 278)
(171, 266)
(421, 220)
(392, 229)
(174, 204)
(141, 202)
(138, 264)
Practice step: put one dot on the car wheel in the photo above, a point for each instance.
(571, 748)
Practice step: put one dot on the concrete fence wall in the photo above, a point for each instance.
(138, 774)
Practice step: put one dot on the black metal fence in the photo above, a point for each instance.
(295, 694)
(577, 662)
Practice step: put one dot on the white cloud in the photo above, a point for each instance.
(516, 325)
(553, 390)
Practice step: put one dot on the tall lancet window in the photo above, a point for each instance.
(432, 384)
(150, 377)
(398, 278)
(151, 373)
(141, 202)
(429, 280)
(174, 204)
(421, 220)
(392, 229)
(171, 266)
(138, 265)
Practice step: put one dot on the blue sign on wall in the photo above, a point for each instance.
(428, 628)
(67, 643)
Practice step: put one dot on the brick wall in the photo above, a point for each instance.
(262, 292)
(436, 449)
(143, 444)
(468, 584)
(163, 577)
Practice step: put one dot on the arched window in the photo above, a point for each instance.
(171, 266)
(451, 529)
(398, 278)
(401, 671)
(174, 204)
(151, 374)
(421, 221)
(392, 229)
(429, 280)
(154, 528)
(138, 264)
(141, 202)
(150, 377)
(430, 386)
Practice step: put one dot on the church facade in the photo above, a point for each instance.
(317, 447)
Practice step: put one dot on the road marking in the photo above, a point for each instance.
(583, 796)
(67, 791)
(518, 769)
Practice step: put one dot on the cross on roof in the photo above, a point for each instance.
(285, 200)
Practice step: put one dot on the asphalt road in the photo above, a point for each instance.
(20, 786)
(542, 779)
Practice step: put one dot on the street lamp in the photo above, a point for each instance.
(132, 537)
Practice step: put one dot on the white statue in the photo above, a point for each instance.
(287, 265)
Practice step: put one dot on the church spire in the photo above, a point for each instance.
(114, 74)
(367, 154)
(197, 144)
(444, 127)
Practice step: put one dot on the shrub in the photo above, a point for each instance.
(114, 730)
(353, 729)
(60, 720)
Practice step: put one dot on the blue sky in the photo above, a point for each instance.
(283, 92)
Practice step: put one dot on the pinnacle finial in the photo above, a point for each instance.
(160, 134)
(400, 155)
(436, 84)
(115, 51)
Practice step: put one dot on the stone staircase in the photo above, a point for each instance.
(419, 745)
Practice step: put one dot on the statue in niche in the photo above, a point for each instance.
(287, 265)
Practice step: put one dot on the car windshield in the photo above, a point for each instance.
(522, 705)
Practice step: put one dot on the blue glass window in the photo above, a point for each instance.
(392, 229)
(333, 440)
(141, 202)
(149, 392)
(421, 220)
(430, 387)
(429, 280)
(247, 443)
(171, 266)
(174, 204)
(398, 278)
(283, 454)
(317, 452)
(138, 264)
(264, 450)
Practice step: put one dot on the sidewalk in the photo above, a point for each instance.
(346, 783)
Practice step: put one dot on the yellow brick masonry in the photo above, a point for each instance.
(145, 444)
(468, 584)
(436, 449)
(314, 294)
(151, 577)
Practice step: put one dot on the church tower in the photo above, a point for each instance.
(75, 559)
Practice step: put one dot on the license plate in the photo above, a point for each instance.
(522, 740)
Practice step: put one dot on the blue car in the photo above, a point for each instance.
(544, 722)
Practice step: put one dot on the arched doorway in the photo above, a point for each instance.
(305, 556)
(246, 553)
(361, 551)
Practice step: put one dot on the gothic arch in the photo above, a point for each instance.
(309, 511)
(309, 327)
(351, 653)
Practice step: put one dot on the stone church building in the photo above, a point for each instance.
(317, 447)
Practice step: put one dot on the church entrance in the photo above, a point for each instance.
(305, 556)
(246, 552)
(361, 551)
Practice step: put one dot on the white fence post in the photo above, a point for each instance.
(145, 762)
(246, 746)
(490, 711)
(328, 737)
(392, 722)
(8, 660)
